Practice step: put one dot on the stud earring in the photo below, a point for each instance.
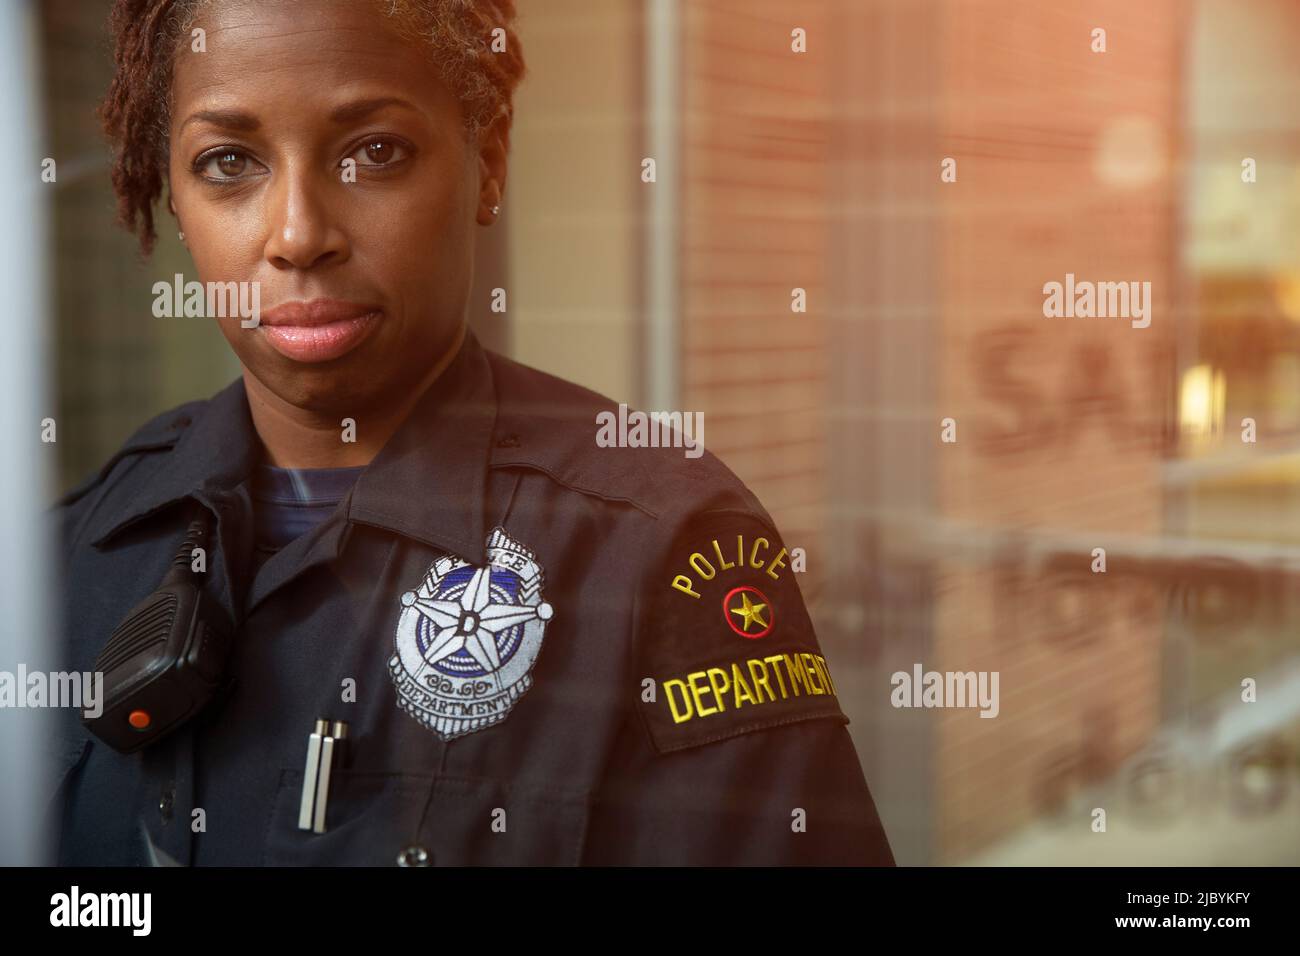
(182, 236)
(495, 210)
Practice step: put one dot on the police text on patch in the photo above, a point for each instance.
(703, 567)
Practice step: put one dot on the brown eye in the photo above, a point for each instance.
(227, 164)
(231, 164)
(380, 152)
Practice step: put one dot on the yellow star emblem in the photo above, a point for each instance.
(750, 611)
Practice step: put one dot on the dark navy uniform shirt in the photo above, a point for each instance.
(547, 652)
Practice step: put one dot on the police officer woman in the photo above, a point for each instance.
(461, 630)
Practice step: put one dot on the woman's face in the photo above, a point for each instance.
(363, 278)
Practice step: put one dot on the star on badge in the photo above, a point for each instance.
(467, 638)
(472, 623)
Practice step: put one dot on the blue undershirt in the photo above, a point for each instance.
(288, 502)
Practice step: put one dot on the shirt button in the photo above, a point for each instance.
(166, 802)
(413, 856)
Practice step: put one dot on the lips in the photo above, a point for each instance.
(319, 330)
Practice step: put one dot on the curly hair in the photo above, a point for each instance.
(147, 34)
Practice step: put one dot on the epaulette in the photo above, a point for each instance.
(551, 424)
(160, 433)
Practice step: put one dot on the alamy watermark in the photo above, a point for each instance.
(651, 430)
(1102, 300)
(129, 910)
(922, 688)
(211, 300)
(55, 689)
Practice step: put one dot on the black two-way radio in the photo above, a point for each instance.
(167, 659)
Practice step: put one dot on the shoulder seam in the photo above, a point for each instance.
(573, 486)
(160, 433)
(94, 481)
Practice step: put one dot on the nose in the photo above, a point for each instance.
(303, 228)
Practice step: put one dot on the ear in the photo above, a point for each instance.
(493, 151)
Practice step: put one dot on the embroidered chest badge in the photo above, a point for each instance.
(468, 637)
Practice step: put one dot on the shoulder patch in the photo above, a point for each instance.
(725, 639)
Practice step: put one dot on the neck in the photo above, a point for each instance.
(294, 437)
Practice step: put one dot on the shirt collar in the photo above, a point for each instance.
(428, 482)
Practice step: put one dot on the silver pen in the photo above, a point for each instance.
(310, 774)
(331, 747)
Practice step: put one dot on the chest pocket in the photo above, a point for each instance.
(375, 819)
